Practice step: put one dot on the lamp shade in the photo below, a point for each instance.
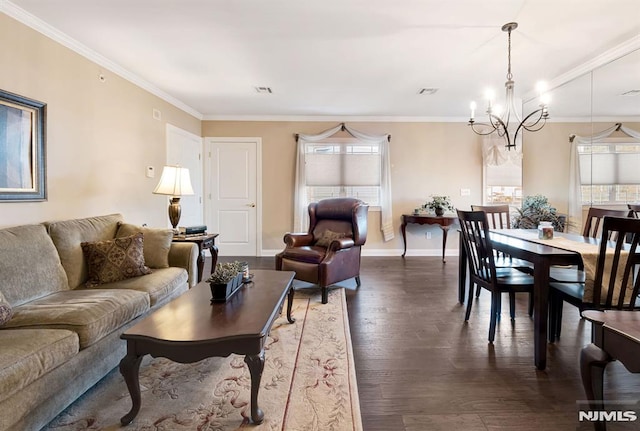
(175, 181)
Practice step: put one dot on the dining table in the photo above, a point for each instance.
(542, 254)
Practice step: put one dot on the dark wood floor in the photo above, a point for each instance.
(420, 367)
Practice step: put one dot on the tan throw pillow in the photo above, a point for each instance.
(114, 260)
(6, 312)
(157, 243)
(328, 236)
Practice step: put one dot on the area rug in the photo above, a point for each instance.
(308, 383)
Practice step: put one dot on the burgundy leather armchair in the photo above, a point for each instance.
(330, 251)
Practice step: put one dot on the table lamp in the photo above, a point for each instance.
(175, 181)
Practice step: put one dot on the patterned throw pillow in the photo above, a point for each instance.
(114, 260)
(328, 236)
(5, 310)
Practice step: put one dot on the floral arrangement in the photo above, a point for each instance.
(225, 272)
(536, 209)
(439, 204)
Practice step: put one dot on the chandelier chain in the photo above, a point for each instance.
(509, 74)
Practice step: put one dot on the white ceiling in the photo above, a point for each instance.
(338, 57)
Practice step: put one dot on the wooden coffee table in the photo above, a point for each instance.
(190, 328)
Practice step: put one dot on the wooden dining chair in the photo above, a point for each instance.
(614, 286)
(482, 270)
(594, 219)
(498, 217)
(592, 229)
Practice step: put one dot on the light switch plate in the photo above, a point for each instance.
(465, 192)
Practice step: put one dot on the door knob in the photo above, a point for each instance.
(251, 205)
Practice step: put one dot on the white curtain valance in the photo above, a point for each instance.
(494, 153)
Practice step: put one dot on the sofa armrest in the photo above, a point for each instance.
(185, 255)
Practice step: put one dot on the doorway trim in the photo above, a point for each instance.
(207, 178)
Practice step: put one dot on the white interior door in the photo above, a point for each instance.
(233, 194)
(185, 149)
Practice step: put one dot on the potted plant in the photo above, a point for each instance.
(225, 280)
(536, 209)
(439, 204)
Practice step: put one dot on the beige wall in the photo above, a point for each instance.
(426, 158)
(100, 135)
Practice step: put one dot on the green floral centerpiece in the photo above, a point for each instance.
(439, 204)
(536, 209)
(225, 281)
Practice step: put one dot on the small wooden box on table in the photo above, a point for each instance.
(189, 329)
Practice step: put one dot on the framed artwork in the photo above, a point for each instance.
(22, 149)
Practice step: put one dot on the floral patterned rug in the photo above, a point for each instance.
(308, 383)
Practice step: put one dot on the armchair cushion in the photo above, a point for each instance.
(308, 254)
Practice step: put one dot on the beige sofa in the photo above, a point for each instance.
(61, 336)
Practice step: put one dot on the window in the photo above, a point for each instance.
(343, 168)
(609, 173)
(502, 173)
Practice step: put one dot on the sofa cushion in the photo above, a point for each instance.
(157, 243)
(161, 284)
(30, 265)
(91, 313)
(114, 259)
(5, 310)
(69, 234)
(28, 354)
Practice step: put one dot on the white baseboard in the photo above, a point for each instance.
(386, 252)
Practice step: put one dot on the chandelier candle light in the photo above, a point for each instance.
(498, 120)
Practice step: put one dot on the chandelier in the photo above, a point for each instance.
(499, 121)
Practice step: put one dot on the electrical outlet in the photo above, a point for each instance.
(428, 235)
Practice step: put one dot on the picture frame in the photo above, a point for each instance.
(22, 149)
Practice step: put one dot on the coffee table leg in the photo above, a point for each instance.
(256, 365)
(289, 305)
(129, 368)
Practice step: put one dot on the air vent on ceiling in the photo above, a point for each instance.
(264, 90)
(428, 91)
(631, 93)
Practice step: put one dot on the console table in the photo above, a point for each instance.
(443, 221)
(204, 242)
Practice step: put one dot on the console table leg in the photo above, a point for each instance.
(130, 368)
(290, 305)
(256, 365)
(403, 229)
(445, 231)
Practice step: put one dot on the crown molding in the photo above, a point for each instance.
(333, 118)
(606, 57)
(56, 35)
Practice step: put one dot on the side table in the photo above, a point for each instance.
(204, 242)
